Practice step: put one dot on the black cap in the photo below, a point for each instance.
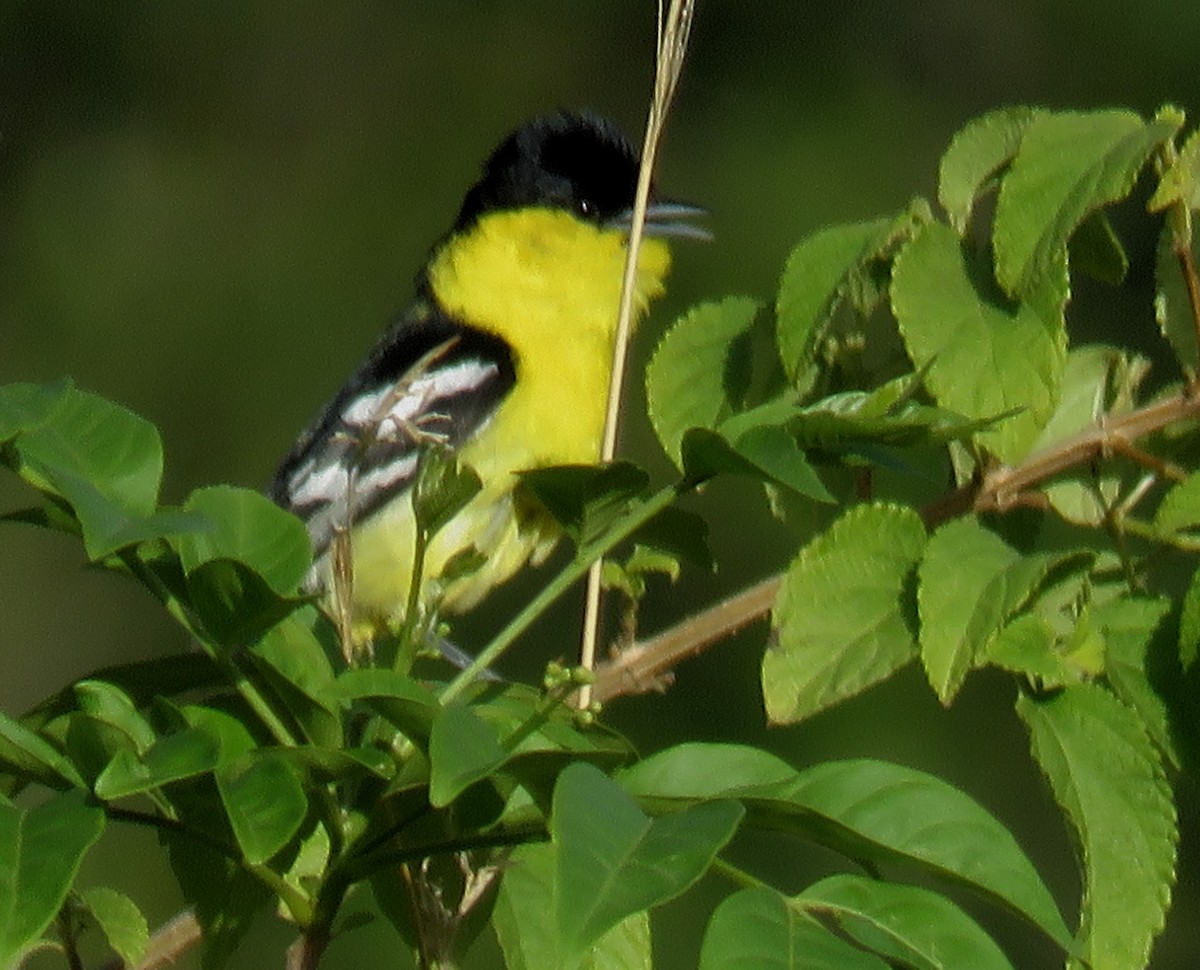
(573, 161)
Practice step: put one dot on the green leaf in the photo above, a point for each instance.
(121, 922)
(226, 898)
(105, 723)
(970, 583)
(243, 573)
(541, 743)
(1029, 646)
(442, 489)
(631, 582)
(265, 804)
(106, 524)
(922, 818)
(963, 597)
(1180, 183)
(851, 419)
(142, 681)
(676, 534)
(249, 528)
(765, 454)
(1180, 508)
(94, 440)
(778, 412)
(232, 736)
(1083, 646)
(292, 659)
(760, 929)
(686, 379)
(904, 924)
(308, 866)
(530, 941)
(104, 534)
(613, 861)
(843, 620)
(870, 810)
(979, 150)
(236, 606)
(627, 946)
(25, 406)
(1189, 625)
(816, 279)
(463, 749)
(394, 900)
(404, 703)
(92, 744)
(629, 577)
(337, 764)
(985, 356)
(101, 460)
(698, 771)
(27, 755)
(1107, 778)
(1097, 381)
(585, 499)
(185, 754)
(211, 739)
(1172, 304)
(1096, 250)
(40, 852)
(110, 704)
(1069, 164)
(1129, 626)
(779, 459)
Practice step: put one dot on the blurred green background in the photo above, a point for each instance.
(208, 210)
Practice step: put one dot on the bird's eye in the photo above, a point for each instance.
(586, 207)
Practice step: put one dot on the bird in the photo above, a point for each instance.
(502, 360)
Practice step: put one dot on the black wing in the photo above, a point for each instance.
(428, 377)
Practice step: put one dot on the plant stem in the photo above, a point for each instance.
(306, 952)
(738, 875)
(296, 901)
(66, 932)
(1187, 265)
(575, 569)
(644, 666)
(170, 941)
(553, 699)
(673, 33)
(237, 679)
(382, 855)
(171, 825)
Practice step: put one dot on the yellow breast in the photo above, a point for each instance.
(548, 284)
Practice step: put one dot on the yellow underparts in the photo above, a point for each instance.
(548, 284)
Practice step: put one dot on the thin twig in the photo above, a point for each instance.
(1003, 484)
(222, 658)
(673, 34)
(644, 665)
(170, 942)
(1187, 264)
(1160, 466)
(647, 666)
(573, 572)
(66, 933)
(305, 953)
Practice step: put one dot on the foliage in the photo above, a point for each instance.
(918, 371)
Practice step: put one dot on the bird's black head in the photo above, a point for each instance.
(578, 162)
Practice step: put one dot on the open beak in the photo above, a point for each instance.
(669, 219)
